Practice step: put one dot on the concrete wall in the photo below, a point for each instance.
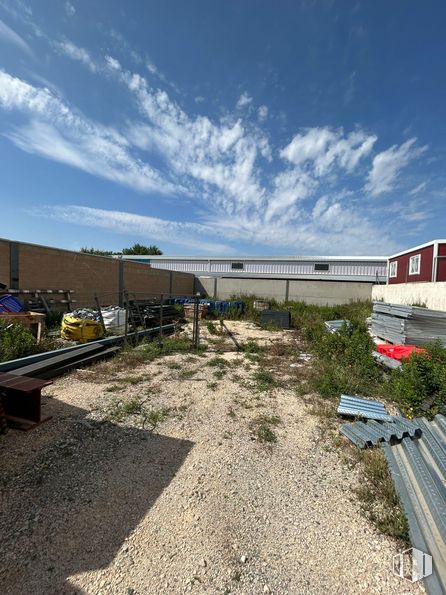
(433, 295)
(311, 292)
(28, 266)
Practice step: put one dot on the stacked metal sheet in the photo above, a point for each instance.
(418, 469)
(366, 408)
(408, 324)
(373, 432)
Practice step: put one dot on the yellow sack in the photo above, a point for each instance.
(78, 329)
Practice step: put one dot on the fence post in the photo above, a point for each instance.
(126, 316)
(196, 326)
(161, 316)
(101, 318)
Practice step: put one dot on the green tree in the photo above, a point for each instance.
(86, 250)
(143, 250)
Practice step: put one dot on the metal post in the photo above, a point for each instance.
(161, 315)
(126, 297)
(196, 325)
(101, 318)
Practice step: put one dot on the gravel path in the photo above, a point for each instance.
(199, 505)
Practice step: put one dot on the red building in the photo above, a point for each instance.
(422, 263)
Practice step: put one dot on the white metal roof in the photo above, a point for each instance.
(259, 258)
(417, 248)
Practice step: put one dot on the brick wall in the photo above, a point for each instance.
(4, 262)
(40, 267)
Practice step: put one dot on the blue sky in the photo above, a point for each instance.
(223, 127)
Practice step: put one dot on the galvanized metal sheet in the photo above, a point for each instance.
(366, 408)
(372, 433)
(418, 470)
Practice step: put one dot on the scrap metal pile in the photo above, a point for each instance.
(408, 324)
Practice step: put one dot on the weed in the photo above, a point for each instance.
(15, 341)
(261, 427)
(113, 388)
(379, 500)
(420, 382)
(173, 366)
(153, 417)
(120, 410)
(218, 374)
(186, 374)
(231, 413)
(264, 380)
(218, 362)
(211, 328)
(212, 385)
(253, 347)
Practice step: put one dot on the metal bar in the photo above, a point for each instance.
(101, 318)
(161, 316)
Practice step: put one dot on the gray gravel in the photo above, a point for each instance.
(198, 506)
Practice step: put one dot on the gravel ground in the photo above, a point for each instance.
(90, 504)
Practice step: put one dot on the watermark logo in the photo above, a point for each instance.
(412, 564)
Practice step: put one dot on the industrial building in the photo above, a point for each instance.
(369, 269)
(313, 279)
(423, 263)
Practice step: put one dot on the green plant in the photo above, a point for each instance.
(155, 417)
(16, 341)
(218, 362)
(262, 426)
(252, 347)
(113, 388)
(212, 385)
(378, 497)
(264, 380)
(185, 374)
(265, 434)
(211, 328)
(421, 381)
(173, 366)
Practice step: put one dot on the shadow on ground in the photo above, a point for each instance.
(73, 494)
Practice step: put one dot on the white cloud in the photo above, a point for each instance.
(10, 36)
(149, 228)
(262, 113)
(69, 9)
(112, 63)
(199, 99)
(237, 186)
(75, 53)
(387, 165)
(244, 100)
(418, 188)
(57, 132)
(322, 148)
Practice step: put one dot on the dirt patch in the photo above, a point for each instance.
(94, 502)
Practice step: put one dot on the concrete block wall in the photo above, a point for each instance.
(29, 266)
(312, 292)
(433, 295)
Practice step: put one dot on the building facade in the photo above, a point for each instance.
(424, 263)
(368, 269)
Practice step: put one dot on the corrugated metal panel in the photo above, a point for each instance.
(356, 407)
(373, 432)
(335, 325)
(418, 470)
(367, 270)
